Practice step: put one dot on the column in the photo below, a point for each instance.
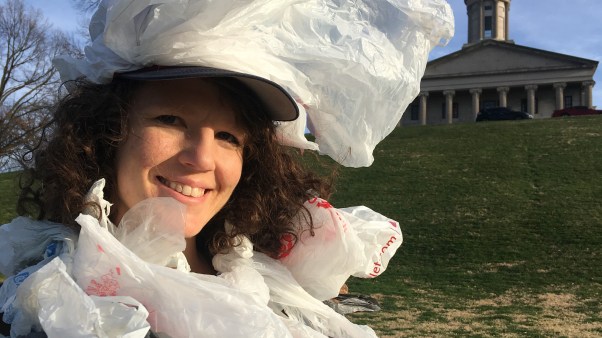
(531, 98)
(423, 107)
(476, 103)
(507, 24)
(449, 105)
(559, 89)
(503, 95)
(587, 87)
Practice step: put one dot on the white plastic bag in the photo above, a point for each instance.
(26, 246)
(50, 301)
(322, 262)
(24, 241)
(288, 296)
(354, 65)
(154, 231)
(354, 241)
(307, 316)
(380, 235)
(180, 304)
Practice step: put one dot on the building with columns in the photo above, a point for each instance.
(491, 70)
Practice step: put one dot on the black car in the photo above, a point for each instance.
(501, 113)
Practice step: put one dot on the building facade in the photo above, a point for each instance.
(492, 71)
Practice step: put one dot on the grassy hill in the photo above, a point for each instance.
(502, 226)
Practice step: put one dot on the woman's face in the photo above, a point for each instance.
(184, 142)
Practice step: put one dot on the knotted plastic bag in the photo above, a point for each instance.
(353, 65)
(353, 241)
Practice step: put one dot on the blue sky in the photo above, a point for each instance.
(576, 31)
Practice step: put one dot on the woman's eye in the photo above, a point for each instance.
(167, 119)
(225, 136)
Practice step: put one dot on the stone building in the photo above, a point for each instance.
(491, 70)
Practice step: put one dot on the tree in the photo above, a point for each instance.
(86, 6)
(29, 84)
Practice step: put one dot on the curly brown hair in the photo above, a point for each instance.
(90, 124)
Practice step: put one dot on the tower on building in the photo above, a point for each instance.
(492, 71)
(487, 20)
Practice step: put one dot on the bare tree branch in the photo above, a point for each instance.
(29, 84)
(86, 6)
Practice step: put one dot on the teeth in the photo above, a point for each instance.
(185, 189)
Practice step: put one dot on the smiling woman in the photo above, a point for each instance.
(167, 198)
(185, 143)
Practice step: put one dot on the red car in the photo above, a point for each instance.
(576, 111)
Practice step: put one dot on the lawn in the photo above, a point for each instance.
(502, 228)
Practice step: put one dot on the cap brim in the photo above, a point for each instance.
(278, 102)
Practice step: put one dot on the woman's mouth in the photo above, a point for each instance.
(183, 189)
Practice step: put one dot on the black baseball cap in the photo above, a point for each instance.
(279, 104)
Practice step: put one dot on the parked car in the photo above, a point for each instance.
(576, 111)
(501, 113)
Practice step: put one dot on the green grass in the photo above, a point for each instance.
(8, 196)
(8, 193)
(502, 226)
(500, 221)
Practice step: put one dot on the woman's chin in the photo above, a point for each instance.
(190, 232)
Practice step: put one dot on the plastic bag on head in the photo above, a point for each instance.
(354, 65)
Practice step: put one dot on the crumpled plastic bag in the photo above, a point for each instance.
(353, 65)
(353, 241)
(154, 231)
(180, 304)
(26, 246)
(24, 241)
(381, 237)
(307, 316)
(52, 301)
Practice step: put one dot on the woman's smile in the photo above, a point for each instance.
(181, 188)
(184, 142)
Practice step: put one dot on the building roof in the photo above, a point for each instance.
(493, 63)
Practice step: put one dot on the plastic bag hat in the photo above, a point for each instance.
(351, 66)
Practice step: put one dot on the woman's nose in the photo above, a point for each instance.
(199, 151)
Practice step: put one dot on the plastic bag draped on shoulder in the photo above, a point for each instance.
(352, 66)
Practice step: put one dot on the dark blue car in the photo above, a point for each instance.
(501, 113)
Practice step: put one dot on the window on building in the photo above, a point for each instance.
(488, 17)
(414, 112)
(455, 111)
(568, 101)
(488, 27)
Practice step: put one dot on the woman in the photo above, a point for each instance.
(207, 142)
(177, 100)
(194, 139)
